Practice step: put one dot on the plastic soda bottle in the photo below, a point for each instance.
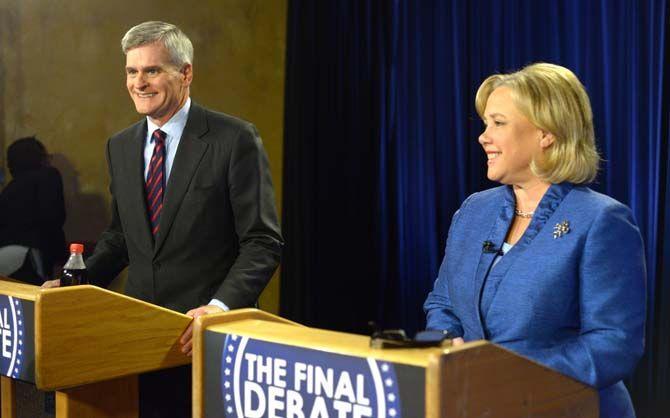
(74, 271)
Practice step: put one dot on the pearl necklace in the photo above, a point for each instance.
(523, 214)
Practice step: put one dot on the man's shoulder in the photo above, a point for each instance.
(220, 123)
(136, 129)
(221, 117)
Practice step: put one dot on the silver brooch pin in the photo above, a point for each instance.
(561, 229)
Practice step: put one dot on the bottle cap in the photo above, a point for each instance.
(77, 248)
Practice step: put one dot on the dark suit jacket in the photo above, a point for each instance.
(219, 236)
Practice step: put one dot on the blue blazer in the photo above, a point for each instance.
(571, 300)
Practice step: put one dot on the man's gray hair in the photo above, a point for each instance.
(175, 41)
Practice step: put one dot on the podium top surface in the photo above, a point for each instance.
(18, 289)
(84, 334)
(328, 341)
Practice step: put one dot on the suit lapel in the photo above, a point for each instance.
(496, 236)
(134, 167)
(189, 153)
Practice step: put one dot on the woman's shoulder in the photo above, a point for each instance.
(479, 206)
(596, 203)
(604, 214)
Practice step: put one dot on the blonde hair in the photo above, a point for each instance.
(553, 99)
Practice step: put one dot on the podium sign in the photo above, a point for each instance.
(258, 378)
(17, 338)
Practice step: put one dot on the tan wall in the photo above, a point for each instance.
(62, 78)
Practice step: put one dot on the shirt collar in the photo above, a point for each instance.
(545, 209)
(549, 202)
(174, 127)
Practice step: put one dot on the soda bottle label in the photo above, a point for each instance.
(73, 277)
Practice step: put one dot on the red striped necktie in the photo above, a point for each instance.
(155, 183)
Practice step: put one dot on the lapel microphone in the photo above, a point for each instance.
(489, 247)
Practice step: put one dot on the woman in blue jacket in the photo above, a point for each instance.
(543, 265)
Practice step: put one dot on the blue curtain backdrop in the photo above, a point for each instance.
(381, 144)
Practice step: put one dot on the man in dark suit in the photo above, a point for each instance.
(193, 212)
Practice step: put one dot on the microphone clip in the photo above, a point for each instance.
(488, 247)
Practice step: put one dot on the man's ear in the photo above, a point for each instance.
(187, 74)
(547, 139)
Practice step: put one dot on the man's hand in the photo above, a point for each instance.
(457, 341)
(186, 339)
(50, 283)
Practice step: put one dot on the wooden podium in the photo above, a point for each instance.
(86, 343)
(251, 364)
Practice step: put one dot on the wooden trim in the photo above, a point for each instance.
(435, 386)
(117, 398)
(11, 287)
(8, 397)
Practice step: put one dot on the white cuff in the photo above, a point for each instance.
(220, 304)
